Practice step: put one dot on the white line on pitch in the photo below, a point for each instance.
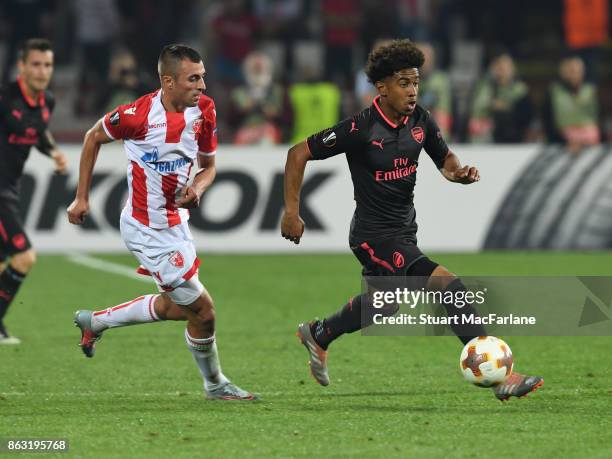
(107, 266)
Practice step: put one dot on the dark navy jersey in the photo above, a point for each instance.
(23, 124)
(383, 159)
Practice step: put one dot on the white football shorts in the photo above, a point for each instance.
(167, 254)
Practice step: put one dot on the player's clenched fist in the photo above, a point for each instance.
(190, 198)
(77, 211)
(466, 175)
(292, 227)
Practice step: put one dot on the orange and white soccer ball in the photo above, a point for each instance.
(486, 361)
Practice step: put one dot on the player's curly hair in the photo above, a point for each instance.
(385, 60)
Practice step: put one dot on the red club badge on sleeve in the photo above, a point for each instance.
(418, 134)
(197, 128)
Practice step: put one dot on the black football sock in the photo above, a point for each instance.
(10, 281)
(355, 315)
(465, 332)
(346, 320)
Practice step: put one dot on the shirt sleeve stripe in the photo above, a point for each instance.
(308, 147)
(211, 153)
(103, 119)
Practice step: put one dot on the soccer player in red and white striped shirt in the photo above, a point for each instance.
(164, 133)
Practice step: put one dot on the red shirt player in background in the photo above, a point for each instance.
(164, 134)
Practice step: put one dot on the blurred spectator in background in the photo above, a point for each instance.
(380, 22)
(279, 19)
(97, 26)
(149, 25)
(435, 90)
(341, 22)
(315, 104)
(586, 31)
(125, 82)
(25, 19)
(414, 19)
(501, 110)
(282, 21)
(572, 111)
(364, 90)
(257, 109)
(233, 38)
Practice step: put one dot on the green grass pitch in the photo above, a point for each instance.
(141, 396)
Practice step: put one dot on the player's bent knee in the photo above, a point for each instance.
(164, 306)
(204, 317)
(193, 296)
(423, 267)
(24, 261)
(440, 278)
(441, 271)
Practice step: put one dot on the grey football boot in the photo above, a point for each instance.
(82, 319)
(229, 391)
(316, 354)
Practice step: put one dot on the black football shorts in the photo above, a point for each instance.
(387, 257)
(13, 238)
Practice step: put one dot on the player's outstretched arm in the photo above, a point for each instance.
(292, 226)
(94, 138)
(453, 171)
(191, 194)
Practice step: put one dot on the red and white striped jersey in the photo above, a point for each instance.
(161, 148)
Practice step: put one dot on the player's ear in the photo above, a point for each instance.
(381, 88)
(167, 81)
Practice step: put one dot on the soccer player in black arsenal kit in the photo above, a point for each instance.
(25, 108)
(382, 146)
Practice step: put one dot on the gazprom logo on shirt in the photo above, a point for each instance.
(151, 160)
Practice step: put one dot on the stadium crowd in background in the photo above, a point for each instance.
(501, 108)
(258, 108)
(308, 56)
(572, 110)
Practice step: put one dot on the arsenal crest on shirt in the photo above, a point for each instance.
(417, 134)
(177, 260)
